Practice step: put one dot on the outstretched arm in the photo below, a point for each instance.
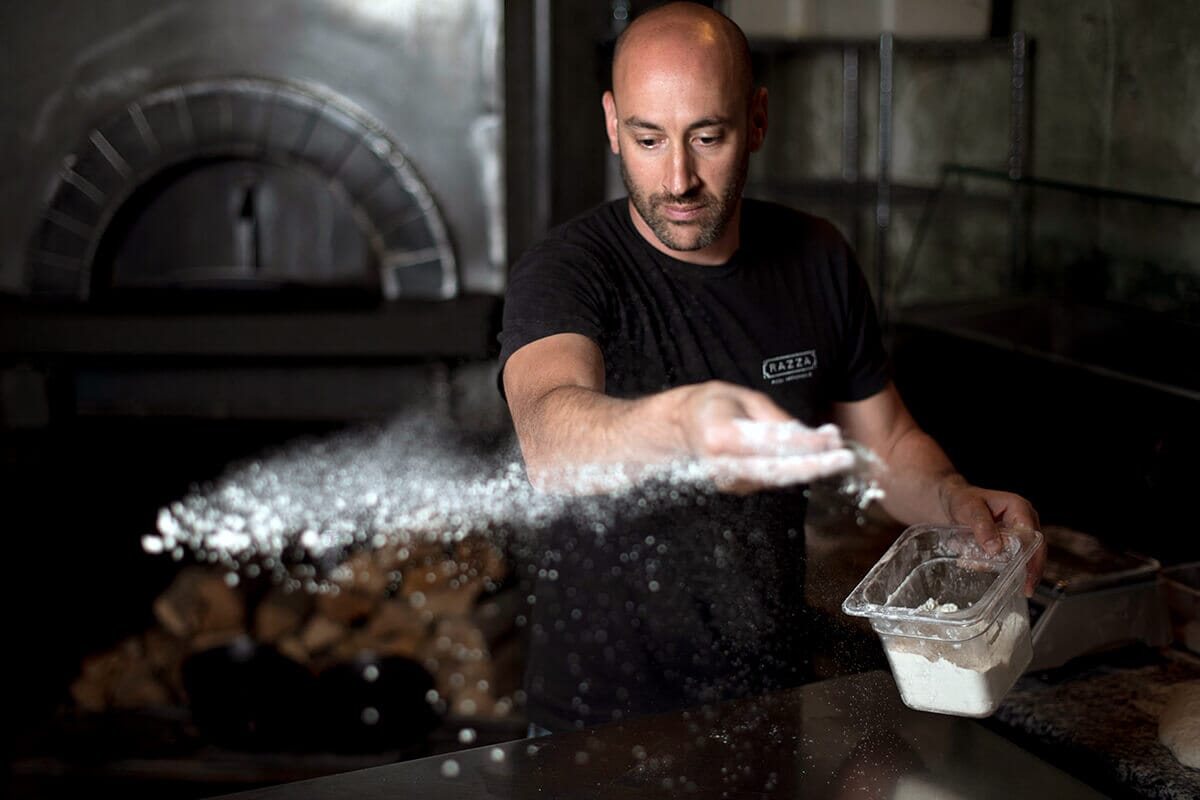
(920, 483)
(575, 438)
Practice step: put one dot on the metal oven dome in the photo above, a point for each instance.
(302, 136)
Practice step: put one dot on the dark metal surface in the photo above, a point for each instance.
(847, 737)
(286, 361)
(1079, 563)
(462, 327)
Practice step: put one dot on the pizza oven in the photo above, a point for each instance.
(226, 225)
(282, 210)
(319, 145)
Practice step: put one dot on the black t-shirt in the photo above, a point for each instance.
(690, 598)
(790, 314)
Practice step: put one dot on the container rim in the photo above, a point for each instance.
(1020, 545)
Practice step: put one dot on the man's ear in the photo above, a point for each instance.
(610, 121)
(758, 118)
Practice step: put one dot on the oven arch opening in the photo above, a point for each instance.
(240, 184)
(235, 228)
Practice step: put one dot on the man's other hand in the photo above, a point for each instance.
(986, 512)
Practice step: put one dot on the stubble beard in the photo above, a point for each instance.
(718, 210)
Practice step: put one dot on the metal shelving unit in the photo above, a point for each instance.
(882, 192)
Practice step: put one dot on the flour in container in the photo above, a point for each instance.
(964, 678)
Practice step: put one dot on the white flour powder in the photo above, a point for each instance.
(968, 678)
(411, 480)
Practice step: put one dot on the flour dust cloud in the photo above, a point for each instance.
(415, 479)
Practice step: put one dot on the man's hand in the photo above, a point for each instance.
(744, 442)
(986, 511)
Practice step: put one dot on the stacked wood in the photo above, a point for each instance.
(203, 608)
(129, 676)
(437, 605)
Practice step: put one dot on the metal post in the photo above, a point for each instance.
(883, 200)
(850, 113)
(1019, 278)
(850, 158)
(620, 13)
(1016, 145)
(542, 87)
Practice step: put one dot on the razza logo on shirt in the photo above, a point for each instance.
(790, 367)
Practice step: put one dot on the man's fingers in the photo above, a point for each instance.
(775, 471)
(979, 517)
(786, 438)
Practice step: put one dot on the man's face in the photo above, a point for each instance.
(695, 219)
(684, 132)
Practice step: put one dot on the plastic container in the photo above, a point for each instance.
(952, 618)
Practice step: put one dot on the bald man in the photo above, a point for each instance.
(686, 324)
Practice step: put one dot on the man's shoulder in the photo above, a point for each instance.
(584, 250)
(599, 223)
(593, 240)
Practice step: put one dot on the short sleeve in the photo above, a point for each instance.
(554, 288)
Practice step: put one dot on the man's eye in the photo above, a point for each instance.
(709, 140)
(647, 142)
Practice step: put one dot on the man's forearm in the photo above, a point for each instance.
(576, 435)
(918, 472)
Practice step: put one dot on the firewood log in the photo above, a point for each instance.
(292, 647)
(207, 640)
(362, 572)
(199, 600)
(281, 613)
(137, 687)
(123, 677)
(320, 634)
(92, 689)
(347, 606)
(165, 654)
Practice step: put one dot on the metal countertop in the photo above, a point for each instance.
(845, 737)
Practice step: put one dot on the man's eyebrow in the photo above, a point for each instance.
(638, 122)
(647, 125)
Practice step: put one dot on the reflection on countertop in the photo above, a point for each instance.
(846, 737)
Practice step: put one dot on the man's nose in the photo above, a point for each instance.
(681, 175)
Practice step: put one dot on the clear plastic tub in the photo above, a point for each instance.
(952, 618)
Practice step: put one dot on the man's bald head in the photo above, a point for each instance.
(684, 117)
(692, 27)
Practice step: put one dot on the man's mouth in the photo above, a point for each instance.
(682, 212)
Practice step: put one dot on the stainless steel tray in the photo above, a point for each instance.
(1092, 599)
(1077, 562)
